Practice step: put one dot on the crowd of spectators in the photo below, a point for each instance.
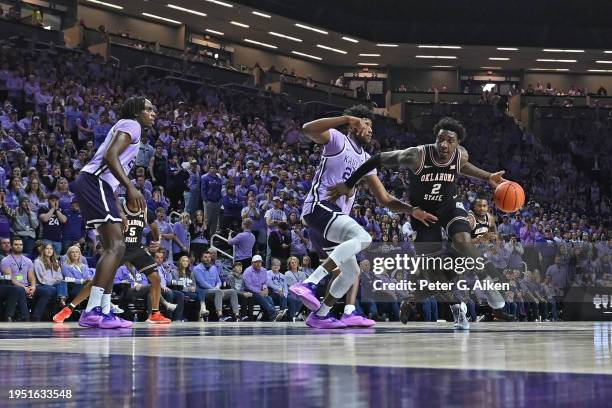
(237, 165)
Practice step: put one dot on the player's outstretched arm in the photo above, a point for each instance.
(387, 200)
(118, 144)
(318, 130)
(468, 169)
(405, 158)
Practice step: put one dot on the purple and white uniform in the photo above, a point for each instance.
(340, 158)
(98, 167)
(96, 185)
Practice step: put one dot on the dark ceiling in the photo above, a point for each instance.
(537, 23)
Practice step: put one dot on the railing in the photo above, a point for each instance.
(213, 246)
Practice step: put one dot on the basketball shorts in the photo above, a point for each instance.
(318, 223)
(453, 218)
(96, 201)
(141, 259)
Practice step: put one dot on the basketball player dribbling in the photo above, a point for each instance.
(331, 230)
(434, 169)
(94, 189)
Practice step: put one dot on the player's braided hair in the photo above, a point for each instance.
(452, 125)
(132, 107)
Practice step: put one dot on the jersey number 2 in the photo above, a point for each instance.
(436, 188)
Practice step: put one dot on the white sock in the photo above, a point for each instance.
(106, 303)
(348, 309)
(317, 275)
(323, 310)
(95, 298)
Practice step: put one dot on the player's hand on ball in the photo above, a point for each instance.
(338, 191)
(496, 179)
(424, 216)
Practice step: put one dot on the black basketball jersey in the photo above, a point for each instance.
(481, 227)
(433, 185)
(136, 223)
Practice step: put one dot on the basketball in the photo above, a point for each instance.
(509, 196)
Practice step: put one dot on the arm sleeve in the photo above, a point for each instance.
(335, 144)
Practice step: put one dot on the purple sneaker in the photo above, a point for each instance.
(356, 320)
(91, 319)
(109, 321)
(327, 322)
(307, 294)
(123, 324)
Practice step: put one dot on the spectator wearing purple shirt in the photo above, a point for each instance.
(21, 271)
(165, 229)
(191, 197)
(49, 275)
(181, 240)
(255, 279)
(210, 189)
(558, 274)
(232, 207)
(73, 267)
(243, 244)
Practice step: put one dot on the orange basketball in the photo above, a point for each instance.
(509, 196)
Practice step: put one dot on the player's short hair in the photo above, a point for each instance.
(359, 111)
(452, 125)
(132, 107)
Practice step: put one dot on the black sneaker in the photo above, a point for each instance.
(225, 318)
(404, 311)
(501, 316)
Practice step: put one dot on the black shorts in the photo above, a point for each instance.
(141, 259)
(453, 218)
(318, 223)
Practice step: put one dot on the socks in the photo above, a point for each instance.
(317, 275)
(72, 306)
(348, 309)
(106, 303)
(95, 298)
(153, 311)
(323, 310)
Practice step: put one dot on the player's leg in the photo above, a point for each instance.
(80, 297)
(145, 264)
(113, 249)
(350, 317)
(346, 238)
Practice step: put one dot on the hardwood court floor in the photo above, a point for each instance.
(288, 365)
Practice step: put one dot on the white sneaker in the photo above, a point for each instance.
(171, 306)
(461, 321)
(479, 318)
(116, 309)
